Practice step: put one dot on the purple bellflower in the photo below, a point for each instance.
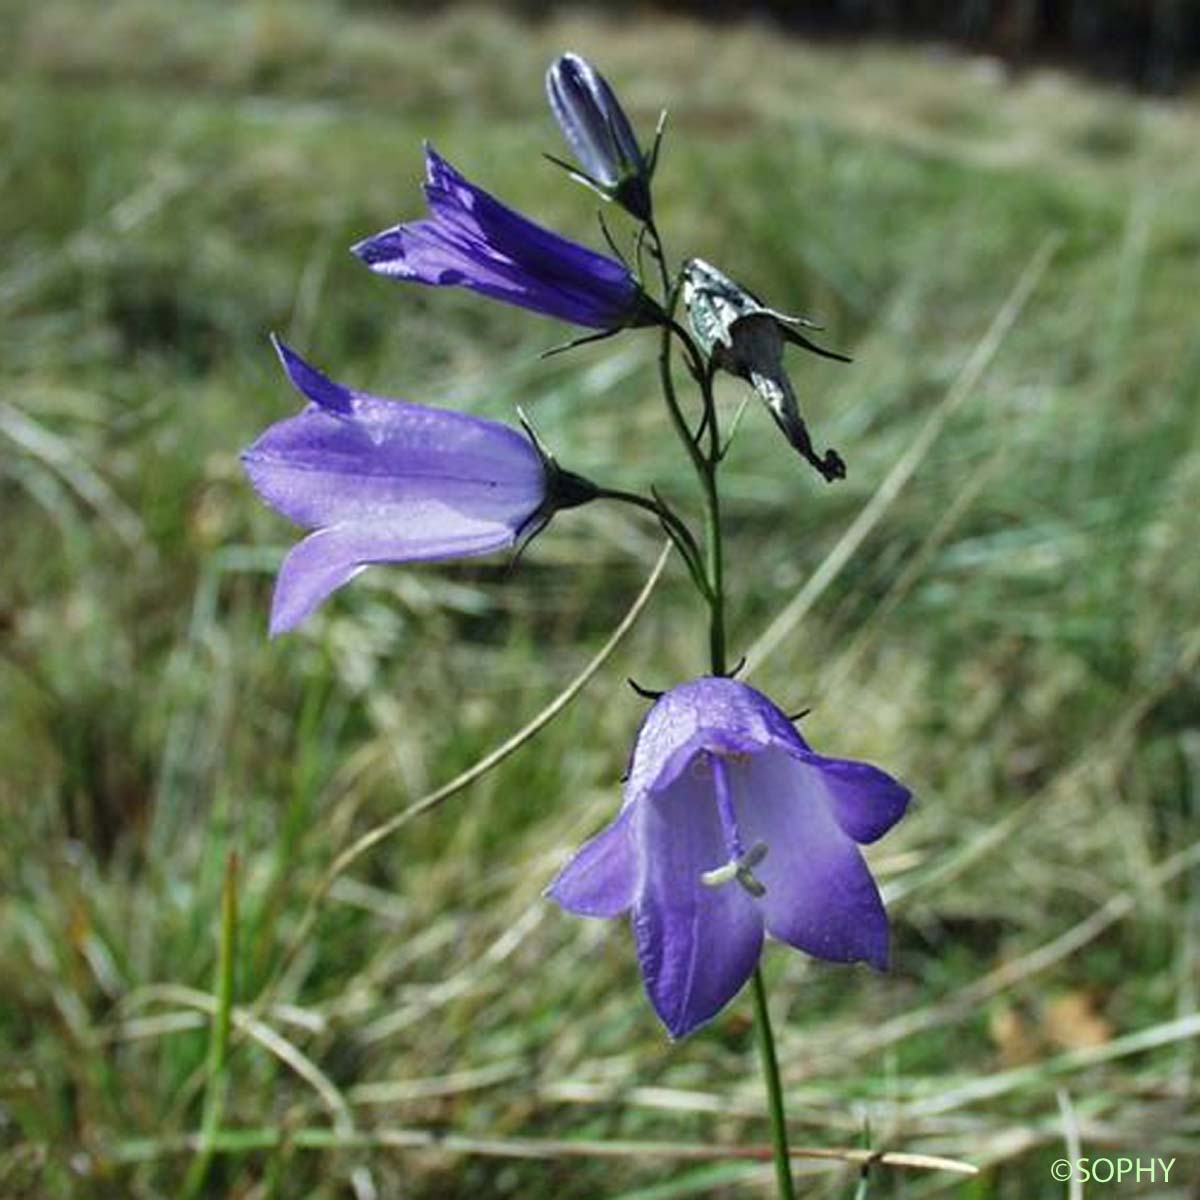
(598, 132)
(732, 826)
(471, 240)
(382, 480)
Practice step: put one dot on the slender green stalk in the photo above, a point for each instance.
(707, 465)
(716, 575)
(770, 1064)
(218, 1045)
(678, 420)
(660, 257)
(675, 528)
(712, 533)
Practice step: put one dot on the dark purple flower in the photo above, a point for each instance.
(731, 826)
(599, 134)
(471, 240)
(381, 480)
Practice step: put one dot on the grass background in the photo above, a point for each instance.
(1016, 634)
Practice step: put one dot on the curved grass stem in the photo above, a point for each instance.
(352, 853)
(218, 1043)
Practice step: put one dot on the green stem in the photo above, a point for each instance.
(680, 534)
(660, 257)
(707, 465)
(716, 576)
(678, 420)
(770, 1064)
(712, 533)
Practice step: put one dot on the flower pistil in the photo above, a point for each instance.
(741, 864)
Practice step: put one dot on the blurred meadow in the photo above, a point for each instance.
(999, 605)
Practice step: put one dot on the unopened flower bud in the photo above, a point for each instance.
(599, 134)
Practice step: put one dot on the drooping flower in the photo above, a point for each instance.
(599, 134)
(382, 480)
(471, 240)
(731, 826)
(741, 335)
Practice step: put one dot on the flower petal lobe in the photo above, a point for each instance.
(601, 880)
(325, 560)
(697, 945)
(310, 382)
(820, 896)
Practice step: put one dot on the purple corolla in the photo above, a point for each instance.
(382, 480)
(471, 240)
(732, 826)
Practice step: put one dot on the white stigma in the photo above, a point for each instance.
(740, 869)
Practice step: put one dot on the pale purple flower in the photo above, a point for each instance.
(382, 480)
(471, 240)
(732, 826)
(598, 132)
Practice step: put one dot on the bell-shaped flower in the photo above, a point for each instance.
(599, 134)
(732, 826)
(740, 335)
(471, 240)
(382, 480)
